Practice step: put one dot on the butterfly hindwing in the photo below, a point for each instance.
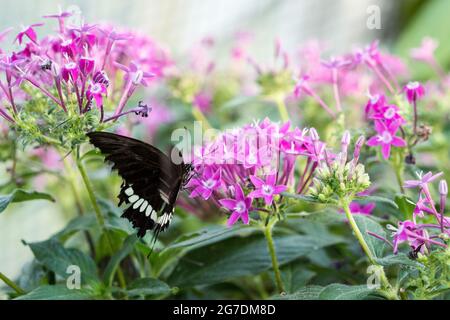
(151, 180)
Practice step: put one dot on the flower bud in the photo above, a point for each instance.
(443, 188)
(314, 135)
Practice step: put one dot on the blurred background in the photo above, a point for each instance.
(179, 24)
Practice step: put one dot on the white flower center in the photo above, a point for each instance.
(389, 113)
(209, 184)
(96, 88)
(267, 190)
(413, 85)
(386, 137)
(71, 65)
(240, 207)
(374, 99)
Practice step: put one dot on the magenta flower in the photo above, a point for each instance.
(374, 104)
(70, 71)
(266, 189)
(96, 91)
(86, 65)
(240, 206)
(205, 186)
(402, 233)
(386, 138)
(135, 74)
(423, 180)
(414, 91)
(390, 114)
(29, 32)
(357, 208)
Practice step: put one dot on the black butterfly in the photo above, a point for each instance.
(151, 181)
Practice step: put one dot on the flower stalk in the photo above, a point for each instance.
(267, 229)
(99, 216)
(11, 284)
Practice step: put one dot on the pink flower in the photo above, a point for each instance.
(266, 189)
(390, 114)
(239, 206)
(205, 186)
(386, 138)
(357, 208)
(29, 32)
(86, 65)
(426, 50)
(135, 74)
(402, 235)
(374, 104)
(414, 91)
(423, 180)
(70, 71)
(96, 91)
(203, 101)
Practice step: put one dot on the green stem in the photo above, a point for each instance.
(199, 116)
(270, 244)
(389, 291)
(99, 216)
(284, 115)
(398, 166)
(11, 284)
(357, 232)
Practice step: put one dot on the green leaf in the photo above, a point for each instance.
(80, 223)
(148, 287)
(367, 224)
(378, 199)
(111, 268)
(210, 235)
(57, 259)
(295, 276)
(405, 205)
(306, 293)
(397, 259)
(344, 292)
(19, 195)
(238, 257)
(300, 197)
(56, 292)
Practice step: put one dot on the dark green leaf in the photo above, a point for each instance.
(21, 196)
(210, 235)
(148, 287)
(344, 292)
(57, 259)
(305, 293)
(397, 259)
(80, 223)
(56, 292)
(111, 268)
(367, 224)
(300, 197)
(405, 205)
(237, 257)
(295, 276)
(378, 199)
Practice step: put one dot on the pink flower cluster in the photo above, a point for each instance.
(246, 169)
(79, 63)
(421, 236)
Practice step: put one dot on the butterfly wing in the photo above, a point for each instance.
(151, 181)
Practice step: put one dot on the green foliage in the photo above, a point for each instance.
(19, 195)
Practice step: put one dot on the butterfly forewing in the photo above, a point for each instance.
(151, 181)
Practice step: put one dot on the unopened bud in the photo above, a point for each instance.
(443, 188)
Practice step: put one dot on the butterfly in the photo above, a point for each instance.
(151, 180)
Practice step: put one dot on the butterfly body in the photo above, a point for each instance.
(151, 181)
